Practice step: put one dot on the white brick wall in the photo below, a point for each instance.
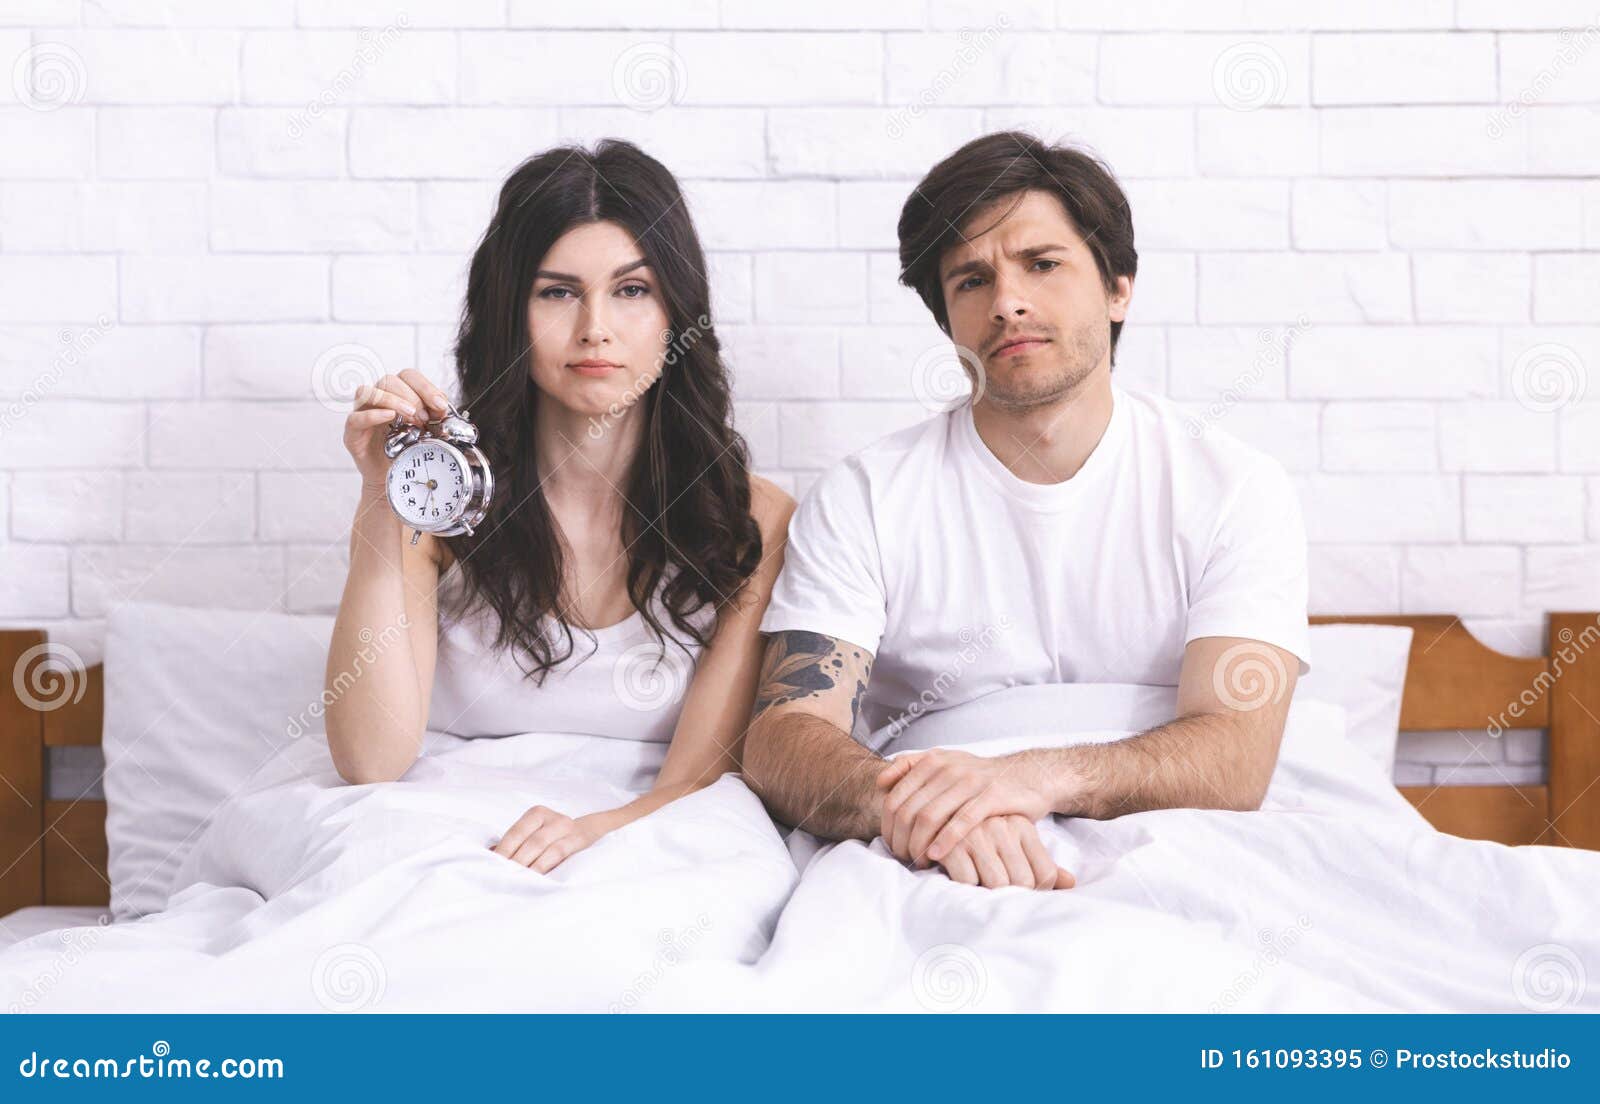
(200, 200)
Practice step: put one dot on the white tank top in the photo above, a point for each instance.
(619, 681)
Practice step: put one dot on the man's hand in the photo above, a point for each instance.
(1005, 851)
(936, 798)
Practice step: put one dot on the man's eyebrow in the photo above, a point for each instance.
(546, 274)
(976, 265)
(965, 267)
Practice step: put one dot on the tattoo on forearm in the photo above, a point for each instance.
(800, 665)
(808, 772)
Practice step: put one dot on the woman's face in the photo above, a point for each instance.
(597, 325)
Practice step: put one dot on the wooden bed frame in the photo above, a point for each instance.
(54, 852)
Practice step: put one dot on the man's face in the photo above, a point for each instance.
(1025, 296)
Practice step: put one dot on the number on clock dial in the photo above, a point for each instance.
(409, 490)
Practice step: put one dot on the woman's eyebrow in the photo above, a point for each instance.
(546, 274)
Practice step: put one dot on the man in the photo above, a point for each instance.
(1076, 531)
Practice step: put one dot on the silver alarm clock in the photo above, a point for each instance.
(439, 480)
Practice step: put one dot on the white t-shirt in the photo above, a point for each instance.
(962, 578)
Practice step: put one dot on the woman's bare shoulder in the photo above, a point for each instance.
(770, 505)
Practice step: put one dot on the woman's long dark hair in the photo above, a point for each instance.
(687, 526)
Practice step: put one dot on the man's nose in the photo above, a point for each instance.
(1009, 302)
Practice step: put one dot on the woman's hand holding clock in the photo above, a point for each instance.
(409, 396)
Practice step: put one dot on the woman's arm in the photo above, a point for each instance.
(381, 657)
(716, 710)
(709, 736)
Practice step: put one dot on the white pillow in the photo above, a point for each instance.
(195, 701)
(1363, 669)
(1317, 770)
(1360, 668)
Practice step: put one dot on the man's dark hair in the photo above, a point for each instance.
(1003, 165)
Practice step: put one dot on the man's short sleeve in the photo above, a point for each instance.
(832, 580)
(1255, 580)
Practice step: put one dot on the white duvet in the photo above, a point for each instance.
(304, 894)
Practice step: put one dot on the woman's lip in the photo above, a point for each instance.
(594, 367)
(1021, 346)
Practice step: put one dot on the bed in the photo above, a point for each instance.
(708, 905)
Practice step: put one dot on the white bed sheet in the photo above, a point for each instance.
(1336, 896)
(307, 894)
(28, 922)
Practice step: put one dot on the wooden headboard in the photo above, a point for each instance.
(54, 852)
(1455, 682)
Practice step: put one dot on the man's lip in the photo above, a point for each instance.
(1020, 343)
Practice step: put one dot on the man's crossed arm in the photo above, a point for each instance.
(800, 758)
(1219, 753)
(974, 815)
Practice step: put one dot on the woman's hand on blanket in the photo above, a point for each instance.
(542, 838)
(935, 798)
(1005, 851)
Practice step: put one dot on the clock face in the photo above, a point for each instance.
(428, 485)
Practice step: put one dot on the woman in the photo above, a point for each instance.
(625, 524)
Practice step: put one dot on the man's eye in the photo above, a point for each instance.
(969, 283)
(1048, 265)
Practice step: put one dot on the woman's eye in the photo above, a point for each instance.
(554, 293)
(633, 291)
